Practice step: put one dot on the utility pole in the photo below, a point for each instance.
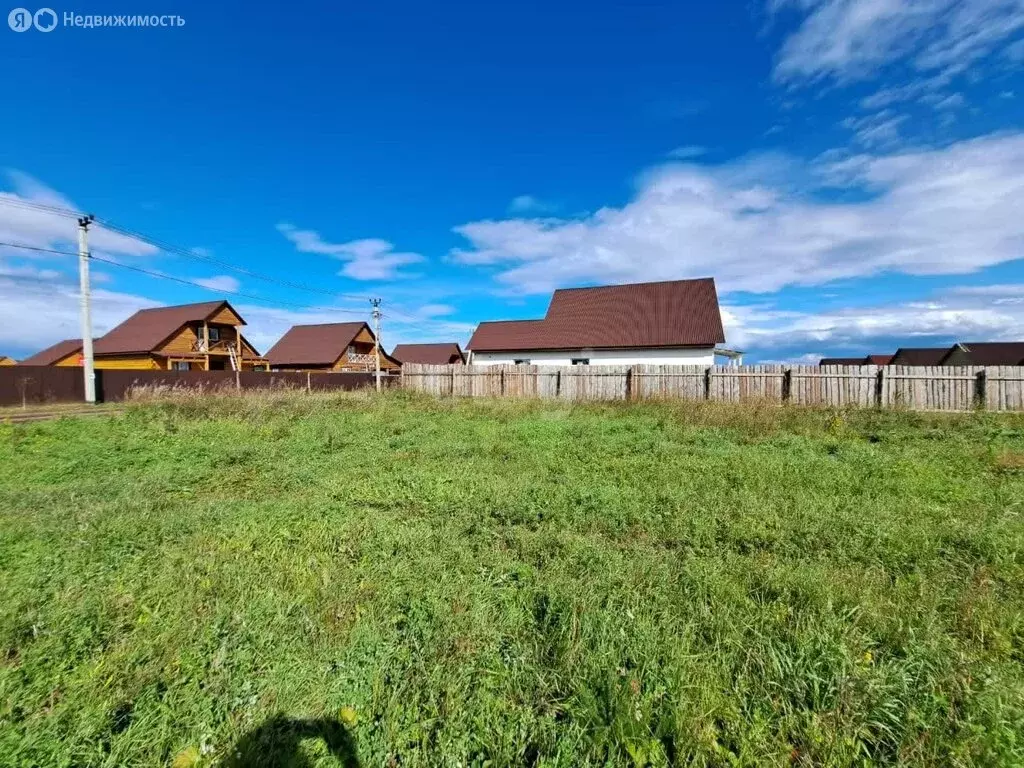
(83, 284)
(376, 337)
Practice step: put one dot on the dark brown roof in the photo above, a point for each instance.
(877, 359)
(314, 344)
(676, 313)
(148, 328)
(53, 354)
(843, 361)
(430, 354)
(918, 356)
(992, 352)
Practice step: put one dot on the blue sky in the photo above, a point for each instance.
(850, 171)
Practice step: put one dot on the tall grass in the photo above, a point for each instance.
(401, 581)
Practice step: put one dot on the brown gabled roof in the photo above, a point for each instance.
(54, 354)
(992, 352)
(314, 344)
(430, 354)
(918, 356)
(843, 361)
(877, 359)
(147, 329)
(675, 313)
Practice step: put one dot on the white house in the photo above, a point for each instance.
(677, 322)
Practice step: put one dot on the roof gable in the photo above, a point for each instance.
(842, 361)
(675, 313)
(989, 352)
(314, 344)
(147, 329)
(919, 356)
(53, 354)
(428, 354)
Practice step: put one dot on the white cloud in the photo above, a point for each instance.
(219, 283)
(850, 40)
(52, 301)
(878, 130)
(966, 314)
(43, 229)
(687, 152)
(528, 204)
(367, 259)
(940, 101)
(759, 226)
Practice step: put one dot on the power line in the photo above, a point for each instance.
(18, 202)
(174, 249)
(184, 281)
(190, 254)
(400, 317)
(38, 250)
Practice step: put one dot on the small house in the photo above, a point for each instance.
(329, 347)
(63, 353)
(919, 356)
(676, 322)
(429, 354)
(203, 337)
(985, 353)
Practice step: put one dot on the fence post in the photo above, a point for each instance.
(981, 389)
(501, 381)
(629, 383)
(558, 383)
(787, 384)
(879, 386)
(308, 388)
(707, 383)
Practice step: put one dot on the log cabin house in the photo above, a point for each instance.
(329, 347)
(197, 337)
(6, 361)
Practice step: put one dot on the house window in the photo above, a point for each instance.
(214, 334)
(581, 361)
(351, 349)
(179, 365)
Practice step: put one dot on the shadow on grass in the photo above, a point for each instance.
(277, 744)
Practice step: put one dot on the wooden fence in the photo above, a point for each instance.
(922, 388)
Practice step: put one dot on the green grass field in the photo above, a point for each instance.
(342, 580)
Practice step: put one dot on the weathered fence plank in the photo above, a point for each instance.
(839, 386)
(687, 382)
(1004, 388)
(930, 388)
(593, 382)
(731, 383)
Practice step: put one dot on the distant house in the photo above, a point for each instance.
(985, 353)
(205, 337)
(63, 353)
(5, 361)
(843, 361)
(328, 347)
(429, 354)
(674, 322)
(866, 360)
(919, 356)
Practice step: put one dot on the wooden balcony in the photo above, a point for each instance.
(222, 347)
